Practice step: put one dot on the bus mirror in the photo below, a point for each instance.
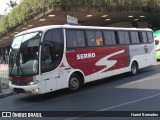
(156, 42)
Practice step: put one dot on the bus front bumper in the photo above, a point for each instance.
(30, 89)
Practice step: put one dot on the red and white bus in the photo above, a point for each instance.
(54, 57)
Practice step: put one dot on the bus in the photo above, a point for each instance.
(157, 42)
(49, 58)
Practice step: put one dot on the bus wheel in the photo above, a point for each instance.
(134, 68)
(74, 82)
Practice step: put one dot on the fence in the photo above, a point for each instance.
(3, 77)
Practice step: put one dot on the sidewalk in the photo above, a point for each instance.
(6, 93)
(5, 90)
(4, 87)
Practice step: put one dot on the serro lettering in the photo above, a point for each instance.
(85, 56)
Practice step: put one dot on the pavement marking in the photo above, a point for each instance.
(131, 102)
(116, 106)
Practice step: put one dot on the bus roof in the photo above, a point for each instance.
(45, 28)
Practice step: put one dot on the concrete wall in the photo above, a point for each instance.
(4, 76)
(142, 24)
(129, 24)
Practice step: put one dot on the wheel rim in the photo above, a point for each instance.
(134, 69)
(74, 83)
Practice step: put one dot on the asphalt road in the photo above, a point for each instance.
(118, 93)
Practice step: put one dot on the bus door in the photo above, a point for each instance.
(47, 65)
(49, 81)
(51, 56)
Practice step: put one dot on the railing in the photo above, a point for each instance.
(3, 77)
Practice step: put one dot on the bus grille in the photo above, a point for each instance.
(19, 90)
(20, 83)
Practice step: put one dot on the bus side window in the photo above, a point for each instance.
(150, 36)
(134, 37)
(107, 38)
(127, 38)
(52, 51)
(80, 38)
(121, 37)
(99, 39)
(47, 57)
(71, 39)
(91, 38)
(144, 37)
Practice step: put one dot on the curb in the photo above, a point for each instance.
(6, 93)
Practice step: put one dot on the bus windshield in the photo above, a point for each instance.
(23, 59)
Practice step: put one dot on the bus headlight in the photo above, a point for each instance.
(36, 90)
(34, 82)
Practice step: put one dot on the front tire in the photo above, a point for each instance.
(74, 82)
(134, 68)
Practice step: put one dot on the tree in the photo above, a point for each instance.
(12, 4)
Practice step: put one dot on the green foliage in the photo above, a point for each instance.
(29, 8)
(4, 25)
(153, 6)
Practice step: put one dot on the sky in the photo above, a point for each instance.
(3, 6)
